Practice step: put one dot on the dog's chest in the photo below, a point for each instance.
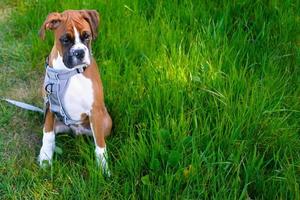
(78, 98)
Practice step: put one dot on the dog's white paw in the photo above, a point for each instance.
(101, 156)
(47, 150)
(45, 157)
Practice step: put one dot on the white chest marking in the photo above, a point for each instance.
(79, 96)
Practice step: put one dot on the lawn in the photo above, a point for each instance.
(204, 96)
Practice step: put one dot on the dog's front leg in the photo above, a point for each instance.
(101, 125)
(46, 152)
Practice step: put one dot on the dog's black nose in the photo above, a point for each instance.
(79, 53)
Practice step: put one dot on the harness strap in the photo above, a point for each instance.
(63, 75)
(55, 84)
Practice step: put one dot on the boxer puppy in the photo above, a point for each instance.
(83, 98)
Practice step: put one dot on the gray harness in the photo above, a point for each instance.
(55, 84)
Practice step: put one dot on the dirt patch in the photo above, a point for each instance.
(23, 91)
(5, 13)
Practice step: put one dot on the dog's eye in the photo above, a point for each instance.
(85, 36)
(65, 40)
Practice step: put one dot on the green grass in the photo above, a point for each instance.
(204, 97)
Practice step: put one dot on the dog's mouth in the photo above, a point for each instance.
(80, 66)
(74, 60)
(80, 63)
(77, 64)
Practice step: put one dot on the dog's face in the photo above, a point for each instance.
(74, 31)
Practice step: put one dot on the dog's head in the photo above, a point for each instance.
(74, 30)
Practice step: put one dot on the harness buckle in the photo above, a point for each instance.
(80, 70)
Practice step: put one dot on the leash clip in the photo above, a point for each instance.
(49, 90)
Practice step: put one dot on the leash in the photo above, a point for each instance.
(24, 105)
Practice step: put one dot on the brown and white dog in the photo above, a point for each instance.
(74, 30)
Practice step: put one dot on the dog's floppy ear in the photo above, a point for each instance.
(52, 21)
(92, 17)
